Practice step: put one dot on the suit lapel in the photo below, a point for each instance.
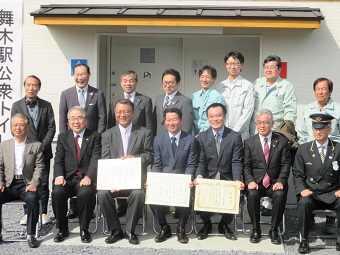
(40, 109)
(137, 100)
(23, 108)
(10, 156)
(175, 99)
(72, 145)
(89, 96)
(28, 147)
(273, 145)
(258, 147)
(84, 143)
(328, 158)
(116, 136)
(132, 140)
(181, 144)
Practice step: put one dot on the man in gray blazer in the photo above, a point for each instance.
(20, 176)
(172, 99)
(175, 151)
(125, 140)
(143, 113)
(42, 129)
(221, 156)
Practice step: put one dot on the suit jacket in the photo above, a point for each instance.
(179, 101)
(65, 162)
(33, 164)
(95, 107)
(185, 160)
(310, 173)
(46, 128)
(143, 111)
(230, 160)
(140, 145)
(255, 166)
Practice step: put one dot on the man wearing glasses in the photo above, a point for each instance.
(172, 99)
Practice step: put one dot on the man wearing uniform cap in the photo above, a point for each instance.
(316, 177)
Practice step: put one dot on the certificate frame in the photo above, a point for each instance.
(217, 196)
(119, 174)
(168, 189)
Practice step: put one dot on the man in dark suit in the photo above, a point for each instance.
(42, 129)
(143, 113)
(21, 165)
(172, 99)
(93, 102)
(316, 177)
(86, 96)
(75, 172)
(266, 171)
(125, 140)
(221, 155)
(175, 151)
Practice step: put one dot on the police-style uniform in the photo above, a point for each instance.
(309, 172)
(305, 131)
(280, 100)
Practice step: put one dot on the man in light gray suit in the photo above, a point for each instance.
(175, 152)
(172, 99)
(126, 140)
(20, 176)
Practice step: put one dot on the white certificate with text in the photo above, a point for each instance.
(217, 196)
(119, 174)
(168, 189)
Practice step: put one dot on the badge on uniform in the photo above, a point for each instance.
(335, 165)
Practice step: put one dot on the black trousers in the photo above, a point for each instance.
(17, 190)
(279, 203)
(86, 196)
(159, 211)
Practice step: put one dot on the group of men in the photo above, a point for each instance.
(221, 132)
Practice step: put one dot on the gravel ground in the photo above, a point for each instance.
(290, 241)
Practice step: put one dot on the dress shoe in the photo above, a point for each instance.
(337, 246)
(203, 233)
(229, 234)
(32, 242)
(131, 237)
(255, 237)
(85, 236)
(62, 234)
(266, 212)
(163, 234)
(274, 236)
(115, 236)
(181, 235)
(303, 247)
(221, 227)
(330, 228)
(72, 214)
(262, 208)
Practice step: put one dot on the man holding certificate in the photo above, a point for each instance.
(266, 171)
(221, 156)
(175, 151)
(125, 140)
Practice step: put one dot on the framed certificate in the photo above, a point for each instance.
(217, 196)
(168, 189)
(119, 174)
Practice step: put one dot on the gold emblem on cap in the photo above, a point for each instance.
(318, 118)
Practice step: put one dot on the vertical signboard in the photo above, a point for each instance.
(10, 61)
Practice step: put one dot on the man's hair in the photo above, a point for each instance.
(234, 54)
(260, 112)
(81, 64)
(78, 108)
(125, 101)
(210, 70)
(20, 115)
(274, 58)
(172, 72)
(173, 110)
(34, 77)
(329, 83)
(128, 72)
(214, 105)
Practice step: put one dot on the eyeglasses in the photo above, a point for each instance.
(123, 112)
(265, 122)
(270, 68)
(233, 63)
(168, 83)
(74, 119)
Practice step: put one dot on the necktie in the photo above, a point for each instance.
(81, 98)
(128, 96)
(77, 153)
(217, 142)
(173, 145)
(125, 142)
(322, 154)
(166, 103)
(266, 179)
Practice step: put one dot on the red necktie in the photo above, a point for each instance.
(77, 153)
(266, 179)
